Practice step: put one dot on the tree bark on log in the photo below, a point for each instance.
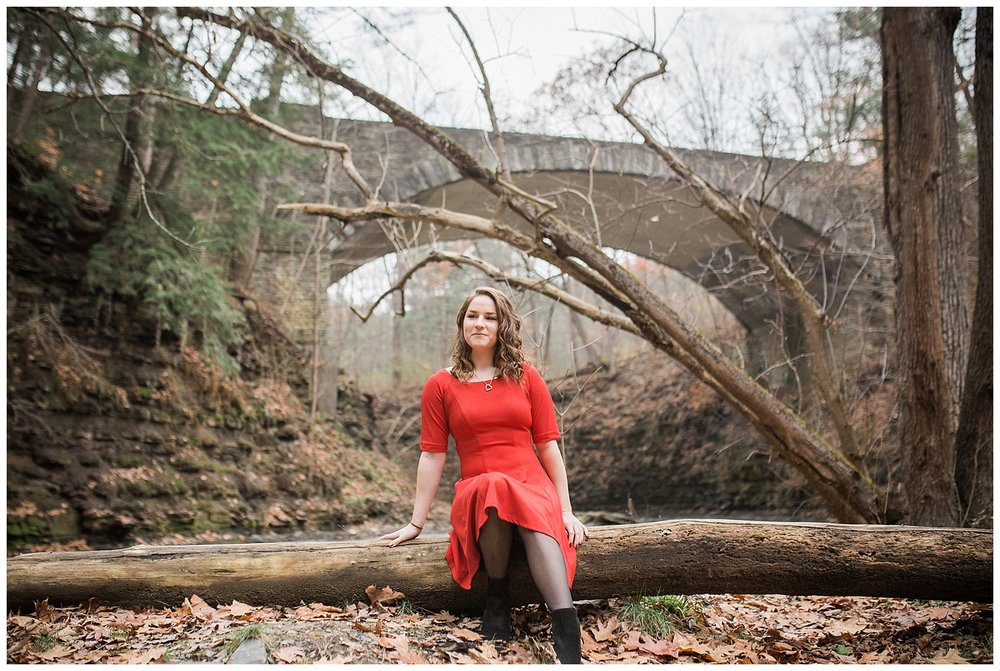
(677, 557)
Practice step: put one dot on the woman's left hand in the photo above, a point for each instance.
(575, 529)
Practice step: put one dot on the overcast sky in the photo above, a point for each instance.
(525, 48)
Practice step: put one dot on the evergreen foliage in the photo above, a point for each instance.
(176, 288)
(170, 250)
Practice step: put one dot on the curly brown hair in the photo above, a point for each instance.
(508, 358)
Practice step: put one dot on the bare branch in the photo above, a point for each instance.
(474, 224)
(455, 153)
(542, 286)
(815, 319)
(503, 167)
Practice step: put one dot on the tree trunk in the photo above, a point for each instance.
(23, 39)
(922, 212)
(396, 349)
(137, 140)
(974, 442)
(227, 68)
(680, 557)
(30, 93)
(241, 271)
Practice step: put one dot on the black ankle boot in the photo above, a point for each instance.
(566, 634)
(496, 616)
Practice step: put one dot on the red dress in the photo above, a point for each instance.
(494, 431)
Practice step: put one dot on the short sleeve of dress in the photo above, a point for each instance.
(544, 426)
(433, 425)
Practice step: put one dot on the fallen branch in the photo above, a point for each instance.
(679, 557)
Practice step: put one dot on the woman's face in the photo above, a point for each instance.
(480, 324)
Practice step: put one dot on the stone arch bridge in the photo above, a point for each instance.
(826, 217)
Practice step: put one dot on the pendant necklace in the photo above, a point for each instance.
(488, 385)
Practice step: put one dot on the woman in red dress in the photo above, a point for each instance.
(496, 405)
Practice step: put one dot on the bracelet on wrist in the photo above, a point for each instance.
(417, 526)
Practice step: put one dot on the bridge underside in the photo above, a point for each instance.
(652, 217)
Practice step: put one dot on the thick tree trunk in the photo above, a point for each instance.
(923, 216)
(974, 442)
(680, 557)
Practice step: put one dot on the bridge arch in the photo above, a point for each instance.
(624, 197)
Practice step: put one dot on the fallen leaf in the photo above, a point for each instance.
(43, 611)
(408, 656)
(950, 657)
(660, 648)
(781, 649)
(398, 642)
(689, 644)
(54, 653)
(24, 621)
(385, 595)
(289, 654)
(605, 630)
(846, 629)
(460, 658)
(589, 645)
(682, 640)
(197, 607)
(486, 654)
(466, 634)
(239, 609)
(941, 613)
(326, 609)
(156, 654)
(631, 640)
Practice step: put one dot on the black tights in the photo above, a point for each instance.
(545, 558)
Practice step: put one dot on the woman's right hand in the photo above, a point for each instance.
(407, 533)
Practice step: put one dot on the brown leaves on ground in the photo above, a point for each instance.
(721, 628)
(384, 596)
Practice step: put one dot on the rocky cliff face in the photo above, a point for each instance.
(651, 438)
(114, 438)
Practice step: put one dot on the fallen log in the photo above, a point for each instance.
(676, 557)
